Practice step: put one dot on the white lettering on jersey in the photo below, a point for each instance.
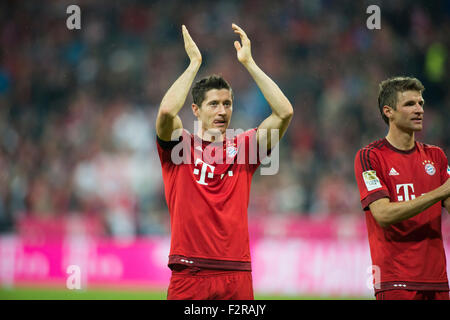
(203, 172)
(406, 195)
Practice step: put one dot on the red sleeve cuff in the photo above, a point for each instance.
(374, 197)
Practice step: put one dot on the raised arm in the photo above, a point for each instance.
(167, 119)
(282, 110)
(387, 213)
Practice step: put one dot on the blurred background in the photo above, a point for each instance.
(78, 160)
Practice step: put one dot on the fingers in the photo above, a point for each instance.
(237, 45)
(240, 32)
(185, 32)
(188, 42)
(236, 28)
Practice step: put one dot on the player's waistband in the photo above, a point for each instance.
(175, 260)
(409, 285)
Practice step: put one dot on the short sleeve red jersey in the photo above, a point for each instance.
(408, 254)
(207, 188)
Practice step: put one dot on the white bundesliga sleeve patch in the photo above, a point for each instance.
(371, 180)
(448, 170)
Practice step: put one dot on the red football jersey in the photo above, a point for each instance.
(207, 188)
(408, 254)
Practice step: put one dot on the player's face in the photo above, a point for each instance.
(409, 113)
(215, 111)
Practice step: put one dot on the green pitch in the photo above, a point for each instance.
(65, 294)
(116, 294)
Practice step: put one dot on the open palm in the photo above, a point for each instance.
(243, 50)
(191, 48)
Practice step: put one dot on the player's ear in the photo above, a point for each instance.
(195, 109)
(387, 111)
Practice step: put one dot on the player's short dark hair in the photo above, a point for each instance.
(388, 90)
(204, 85)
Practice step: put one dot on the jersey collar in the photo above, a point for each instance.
(390, 146)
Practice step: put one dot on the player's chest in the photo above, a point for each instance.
(410, 177)
(213, 167)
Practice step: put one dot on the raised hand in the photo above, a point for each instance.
(191, 48)
(243, 50)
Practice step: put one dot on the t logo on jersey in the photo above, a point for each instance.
(202, 172)
(406, 195)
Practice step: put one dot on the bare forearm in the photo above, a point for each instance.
(278, 102)
(167, 121)
(175, 97)
(387, 213)
(400, 211)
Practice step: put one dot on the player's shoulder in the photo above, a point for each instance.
(177, 137)
(375, 146)
(427, 146)
(367, 157)
(240, 134)
(248, 132)
(430, 148)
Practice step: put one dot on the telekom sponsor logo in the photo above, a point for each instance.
(403, 192)
(202, 172)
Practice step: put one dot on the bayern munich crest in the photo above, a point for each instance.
(231, 151)
(429, 167)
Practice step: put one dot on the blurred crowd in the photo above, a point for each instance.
(78, 107)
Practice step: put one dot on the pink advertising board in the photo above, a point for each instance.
(140, 262)
(280, 265)
(290, 255)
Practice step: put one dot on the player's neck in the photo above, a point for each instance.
(208, 136)
(400, 139)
